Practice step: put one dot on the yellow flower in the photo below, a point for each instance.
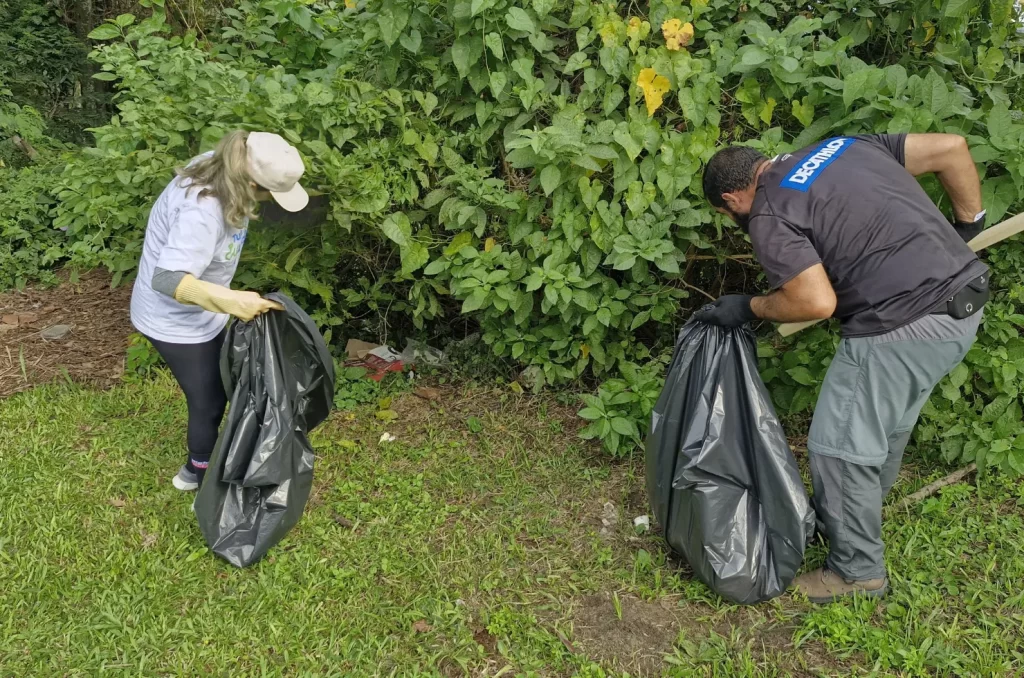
(677, 34)
(654, 87)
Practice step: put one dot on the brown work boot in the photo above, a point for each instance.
(825, 586)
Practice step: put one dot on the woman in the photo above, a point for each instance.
(182, 296)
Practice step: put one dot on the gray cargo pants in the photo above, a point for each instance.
(870, 400)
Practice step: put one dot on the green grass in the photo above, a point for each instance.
(473, 545)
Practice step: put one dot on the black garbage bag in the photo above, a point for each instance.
(722, 481)
(279, 376)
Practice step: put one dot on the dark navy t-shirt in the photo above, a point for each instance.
(849, 204)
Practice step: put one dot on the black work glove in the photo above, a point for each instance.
(732, 310)
(968, 230)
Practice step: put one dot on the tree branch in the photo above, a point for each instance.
(932, 488)
(25, 147)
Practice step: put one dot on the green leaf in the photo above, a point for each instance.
(584, 299)
(543, 7)
(857, 85)
(427, 101)
(590, 257)
(998, 193)
(629, 144)
(576, 62)
(995, 409)
(436, 266)
(668, 264)
(896, 80)
(789, 64)
(518, 19)
(414, 257)
(392, 20)
(125, 20)
(802, 376)
(591, 414)
(550, 177)
(613, 96)
(124, 176)
(412, 41)
(475, 301)
(1000, 125)
(1016, 460)
(498, 82)
(639, 319)
(957, 8)
(803, 111)
(494, 43)
(397, 228)
(466, 51)
(477, 6)
(935, 94)
(105, 32)
(958, 377)
(624, 427)
(802, 400)
(104, 76)
(753, 56)
(304, 18)
(293, 258)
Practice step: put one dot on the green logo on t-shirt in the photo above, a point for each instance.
(235, 246)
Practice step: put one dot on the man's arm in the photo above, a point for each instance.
(948, 156)
(808, 296)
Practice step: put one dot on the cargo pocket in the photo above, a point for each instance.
(830, 433)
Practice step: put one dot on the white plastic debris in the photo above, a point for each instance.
(609, 515)
(387, 438)
(642, 523)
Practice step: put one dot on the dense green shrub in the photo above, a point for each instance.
(535, 166)
(45, 66)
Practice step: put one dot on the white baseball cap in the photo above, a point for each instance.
(275, 165)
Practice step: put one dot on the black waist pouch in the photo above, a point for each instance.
(970, 299)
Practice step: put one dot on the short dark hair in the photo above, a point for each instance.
(731, 169)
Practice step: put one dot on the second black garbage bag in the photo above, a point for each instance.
(279, 376)
(722, 481)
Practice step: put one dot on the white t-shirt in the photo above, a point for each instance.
(185, 233)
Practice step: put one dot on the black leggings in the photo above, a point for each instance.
(197, 370)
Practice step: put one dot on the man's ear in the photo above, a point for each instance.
(732, 202)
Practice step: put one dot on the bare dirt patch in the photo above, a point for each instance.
(636, 642)
(93, 327)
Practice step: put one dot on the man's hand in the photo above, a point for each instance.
(970, 230)
(732, 310)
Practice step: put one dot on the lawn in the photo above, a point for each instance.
(486, 540)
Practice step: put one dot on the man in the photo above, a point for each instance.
(843, 229)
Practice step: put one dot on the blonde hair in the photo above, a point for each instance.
(224, 175)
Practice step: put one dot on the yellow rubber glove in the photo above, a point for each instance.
(243, 305)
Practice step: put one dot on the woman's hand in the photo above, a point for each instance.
(243, 305)
(247, 305)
